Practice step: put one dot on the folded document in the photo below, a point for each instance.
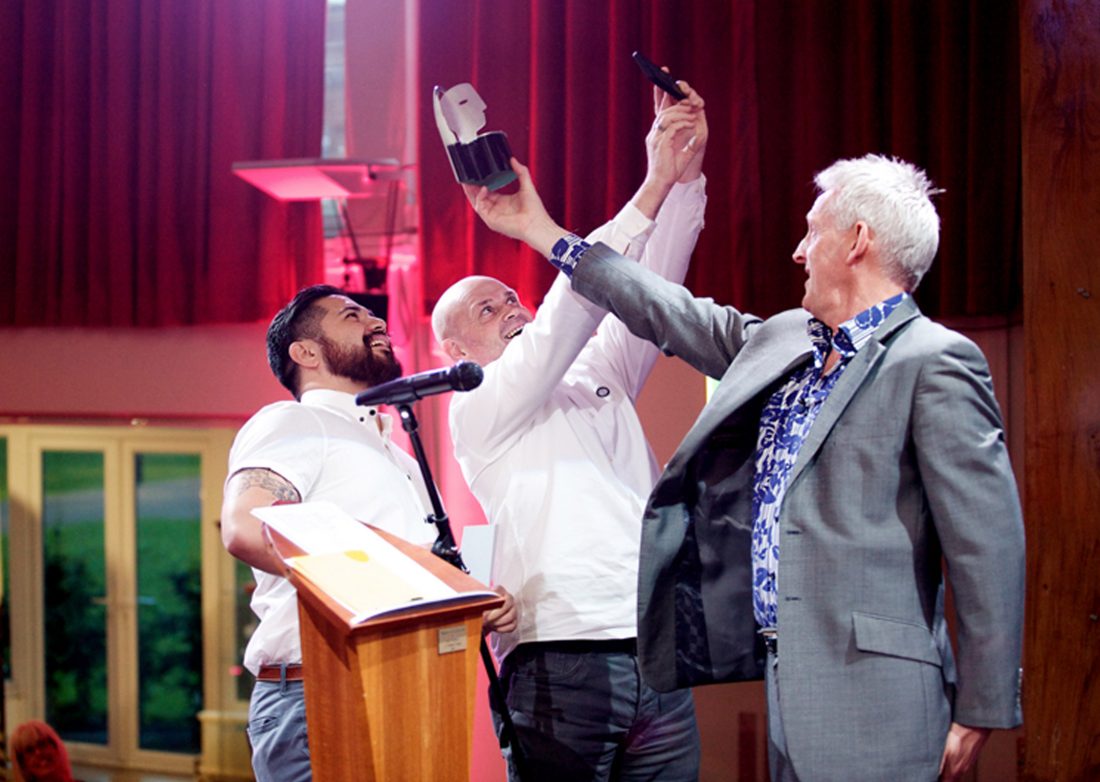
(352, 564)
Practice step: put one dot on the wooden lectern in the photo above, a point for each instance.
(391, 698)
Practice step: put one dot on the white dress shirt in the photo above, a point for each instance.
(328, 449)
(552, 447)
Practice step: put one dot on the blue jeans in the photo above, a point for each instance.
(587, 715)
(277, 732)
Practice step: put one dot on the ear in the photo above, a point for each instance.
(305, 353)
(861, 243)
(453, 349)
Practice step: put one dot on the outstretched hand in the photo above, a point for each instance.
(520, 215)
(674, 147)
(678, 137)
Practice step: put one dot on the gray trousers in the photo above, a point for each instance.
(585, 714)
(277, 732)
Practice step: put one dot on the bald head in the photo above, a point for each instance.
(445, 310)
(476, 318)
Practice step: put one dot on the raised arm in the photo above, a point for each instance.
(675, 148)
(517, 383)
(705, 335)
(679, 221)
(676, 138)
(699, 331)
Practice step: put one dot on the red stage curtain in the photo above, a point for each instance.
(790, 87)
(122, 120)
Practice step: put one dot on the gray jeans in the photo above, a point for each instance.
(277, 732)
(585, 714)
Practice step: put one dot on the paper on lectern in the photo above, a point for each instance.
(352, 564)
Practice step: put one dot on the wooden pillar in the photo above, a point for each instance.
(1060, 85)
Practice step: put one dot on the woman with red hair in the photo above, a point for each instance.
(39, 754)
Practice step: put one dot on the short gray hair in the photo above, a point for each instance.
(894, 198)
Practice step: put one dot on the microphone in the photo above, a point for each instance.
(463, 376)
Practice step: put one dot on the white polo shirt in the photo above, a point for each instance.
(328, 449)
(552, 447)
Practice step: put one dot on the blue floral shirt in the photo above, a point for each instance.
(785, 422)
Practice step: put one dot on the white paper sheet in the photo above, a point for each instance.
(478, 541)
(322, 528)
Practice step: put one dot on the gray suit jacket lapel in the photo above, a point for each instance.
(753, 372)
(849, 383)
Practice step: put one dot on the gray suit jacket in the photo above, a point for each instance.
(904, 468)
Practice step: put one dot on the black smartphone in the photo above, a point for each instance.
(658, 77)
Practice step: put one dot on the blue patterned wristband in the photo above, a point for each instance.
(567, 251)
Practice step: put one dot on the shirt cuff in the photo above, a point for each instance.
(697, 185)
(632, 222)
(567, 251)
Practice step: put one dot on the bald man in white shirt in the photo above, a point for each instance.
(552, 447)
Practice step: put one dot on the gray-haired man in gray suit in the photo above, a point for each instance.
(800, 531)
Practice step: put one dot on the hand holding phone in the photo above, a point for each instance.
(658, 77)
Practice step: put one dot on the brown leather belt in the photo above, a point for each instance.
(274, 673)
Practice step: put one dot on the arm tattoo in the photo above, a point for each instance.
(265, 479)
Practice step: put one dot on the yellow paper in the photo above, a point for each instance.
(357, 582)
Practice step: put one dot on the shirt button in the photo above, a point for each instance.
(603, 391)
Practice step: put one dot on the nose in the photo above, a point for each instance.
(376, 324)
(799, 255)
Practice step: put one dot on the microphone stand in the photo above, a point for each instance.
(446, 549)
(444, 546)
